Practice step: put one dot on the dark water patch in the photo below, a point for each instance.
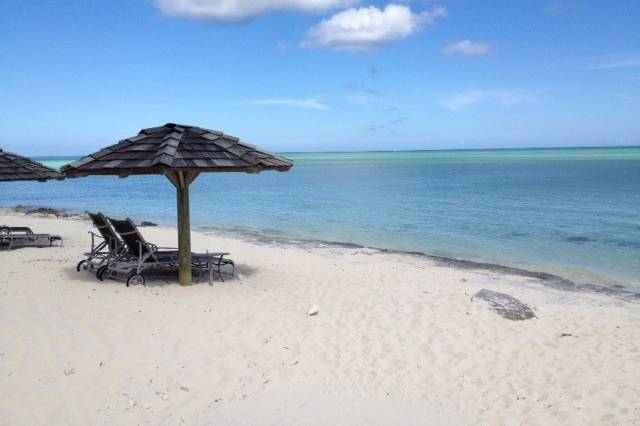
(578, 239)
(516, 234)
(550, 280)
(629, 244)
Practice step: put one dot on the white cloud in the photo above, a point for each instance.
(502, 97)
(241, 10)
(468, 47)
(368, 27)
(292, 103)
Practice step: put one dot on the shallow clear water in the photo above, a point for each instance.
(574, 212)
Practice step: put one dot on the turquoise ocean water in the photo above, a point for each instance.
(573, 212)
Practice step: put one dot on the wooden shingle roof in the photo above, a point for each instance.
(14, 167)
(176, 147)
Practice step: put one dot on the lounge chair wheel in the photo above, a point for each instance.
(81, 265)
(135, 279)
(100, 272)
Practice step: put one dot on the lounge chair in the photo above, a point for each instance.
(105, 246)
(15, 229)
(145, 256)
(22, 236)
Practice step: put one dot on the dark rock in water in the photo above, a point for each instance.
(507, 306)
(47, 211)
(146, 223)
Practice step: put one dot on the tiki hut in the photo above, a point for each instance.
(180, 153)
(14, 167)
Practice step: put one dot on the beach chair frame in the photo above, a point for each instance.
(15, 230)
(105, 246)
(25, 237)
(149, 256)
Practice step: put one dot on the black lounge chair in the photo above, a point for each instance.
(105, 246)
(22, 236)
(143, 256)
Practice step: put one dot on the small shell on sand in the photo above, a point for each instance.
(314, 310)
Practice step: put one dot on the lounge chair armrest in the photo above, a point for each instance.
(219, 257)
(165, 248)
(96, 235)
(21, 230)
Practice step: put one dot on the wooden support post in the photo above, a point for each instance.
(181, 180)
(184, 232)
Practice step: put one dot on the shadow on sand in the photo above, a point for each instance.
(163, 278)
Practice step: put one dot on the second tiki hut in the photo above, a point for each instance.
(14, 167)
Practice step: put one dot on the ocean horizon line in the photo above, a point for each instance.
(373, 151)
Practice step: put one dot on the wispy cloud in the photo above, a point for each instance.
(388, 125)
(399, 120)
(616, 64)
(468, 47)
(503, 97)
(374, 127)
(558, 7)
(367, 28)
(242, 10)
(291, 103)
(283, 47)
(363, 97)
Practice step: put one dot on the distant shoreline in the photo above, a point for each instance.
(547, 279)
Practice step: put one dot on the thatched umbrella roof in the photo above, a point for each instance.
(15, 167)
(174, 147)
(180, 153)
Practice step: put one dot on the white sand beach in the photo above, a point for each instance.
(397, 340)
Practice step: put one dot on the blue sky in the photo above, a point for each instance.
(313, 75)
